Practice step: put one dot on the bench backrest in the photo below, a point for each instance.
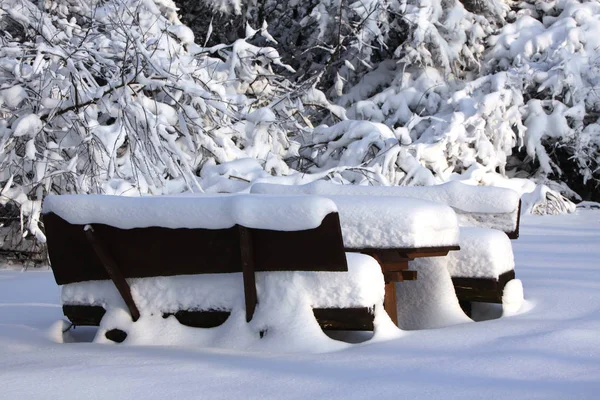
(158, 251)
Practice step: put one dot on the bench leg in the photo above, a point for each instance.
(389, 301)
(113, 271)
(247, 254)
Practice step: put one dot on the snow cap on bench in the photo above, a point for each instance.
(483, 206)
(395, 223)
(283, 213)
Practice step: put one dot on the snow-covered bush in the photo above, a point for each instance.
(115, 97)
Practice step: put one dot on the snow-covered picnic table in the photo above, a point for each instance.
(395, 231)
(485, 263)
(141, 239)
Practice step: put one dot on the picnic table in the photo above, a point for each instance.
(484, 266)
(395, 232)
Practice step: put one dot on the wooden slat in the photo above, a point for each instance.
(86, 315)
(345, 319)
(407, 252)
(200, 319)
(247, 255)
(409, 275)
(113, 271)
(299, 248)
(487, 290)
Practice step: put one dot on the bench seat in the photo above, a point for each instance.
(360, 286)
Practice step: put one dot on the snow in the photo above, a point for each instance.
(387, 222)
(12, 96)
(28, 125)
(484, 253)
(428, 302)
(550, 349)
(485, 206)
(284, 311)
(288, 213)
(467, 198)
(372, 222)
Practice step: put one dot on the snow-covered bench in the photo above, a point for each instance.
(203, 259)
(478, 271)
(479, 206)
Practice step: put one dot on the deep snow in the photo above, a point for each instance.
(550, 350)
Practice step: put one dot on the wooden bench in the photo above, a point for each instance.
(87, 251)
(481, 206)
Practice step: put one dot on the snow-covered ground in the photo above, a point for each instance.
(550, 350)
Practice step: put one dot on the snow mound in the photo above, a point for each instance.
(512, 297)
(484, 253)
(430, 301)
(287, 213)
(467, 198)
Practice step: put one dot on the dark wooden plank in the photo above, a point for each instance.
(151, 251)
(80, 315)
(345, 319)
(200, 319)
(86, 315)
(318, 249)
(156, 251)
(247, 256)
(407, 252)
(113, 271)
(487, 290)
(409, 275)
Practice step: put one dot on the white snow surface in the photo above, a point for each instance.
(549, 349)
(468, 198)
(285, 213)
(430, 301)
(484, 253)
(485, 206)
(383, 221)
(388, 222)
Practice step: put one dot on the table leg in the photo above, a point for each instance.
(389, 301)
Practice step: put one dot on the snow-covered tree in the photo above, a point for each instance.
(463, 86)
(116, 97)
